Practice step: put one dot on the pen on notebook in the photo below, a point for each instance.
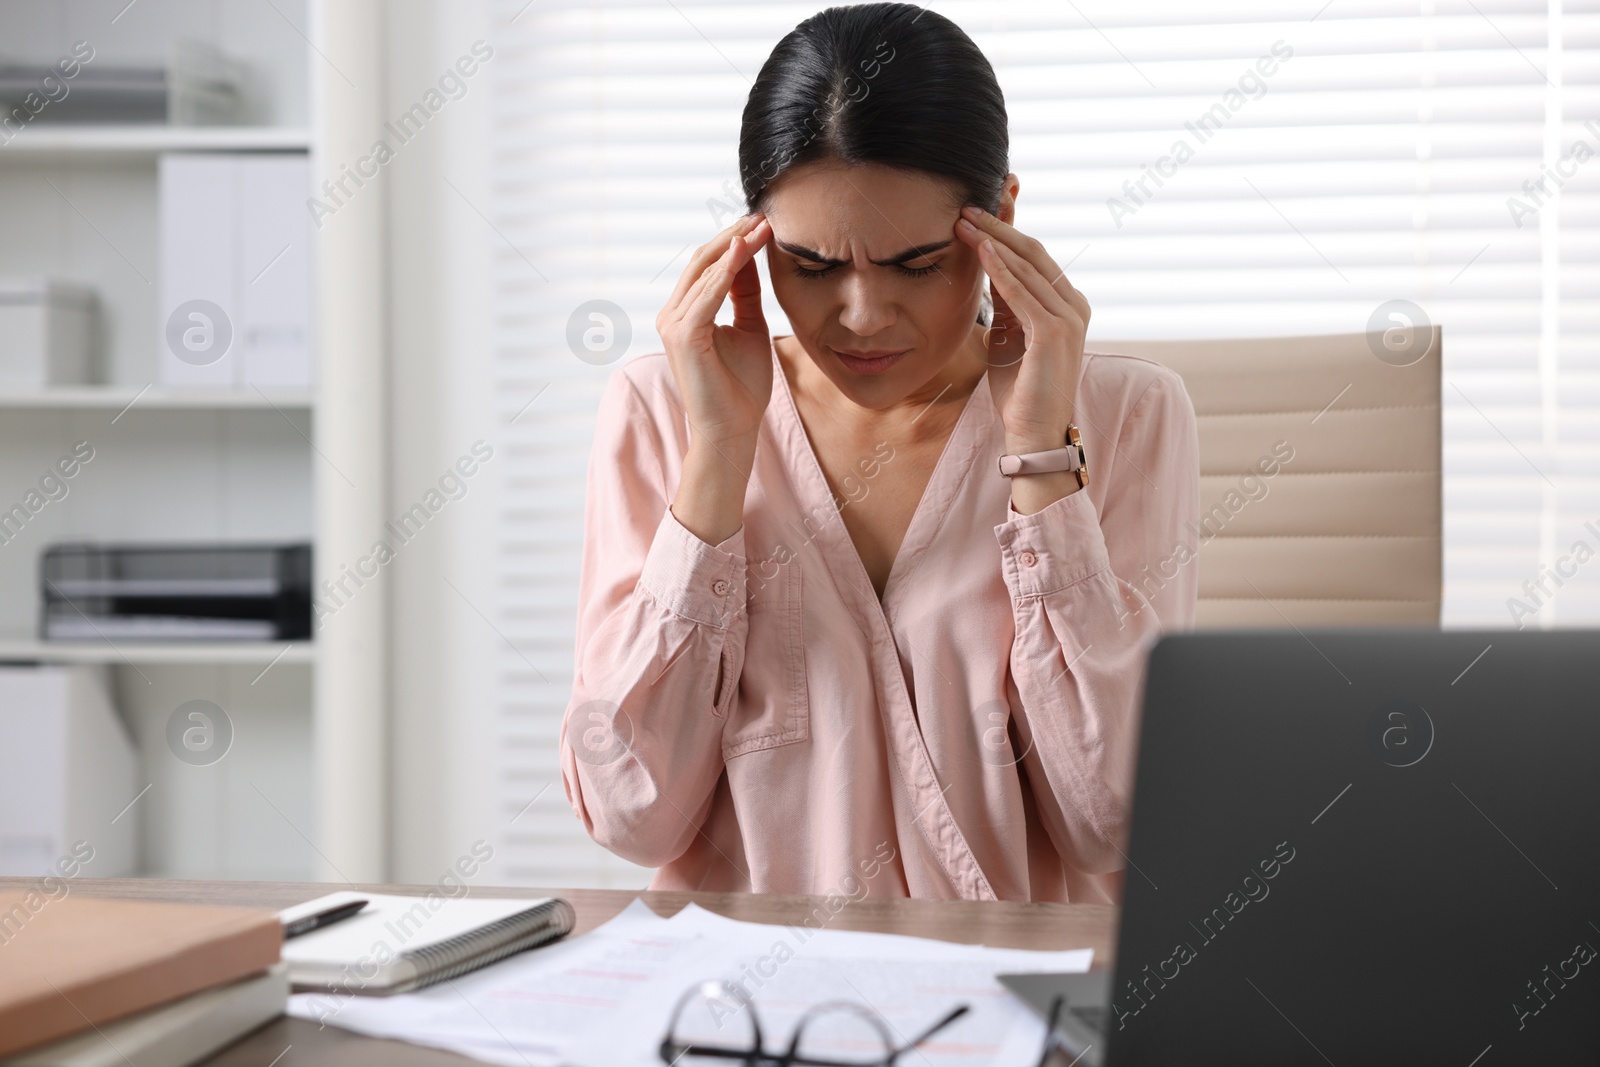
(322, 918)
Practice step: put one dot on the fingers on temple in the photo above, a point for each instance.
(1031, 250)
(746, 293)
(703, 257)
(1024, 305)
(696, 267)
(1027, 273)
(702, 302)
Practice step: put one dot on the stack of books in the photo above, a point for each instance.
(176, 592)
(126, 983)
(88, 982)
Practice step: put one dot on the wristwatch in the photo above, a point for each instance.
(1069, 457)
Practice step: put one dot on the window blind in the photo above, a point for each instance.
(1426, 151)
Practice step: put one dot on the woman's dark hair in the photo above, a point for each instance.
(893, 84)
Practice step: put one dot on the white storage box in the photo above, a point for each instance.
(67, 770)
(46, 333)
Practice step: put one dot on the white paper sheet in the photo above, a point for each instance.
(603, 999)
(910, 982)
(523, 1010)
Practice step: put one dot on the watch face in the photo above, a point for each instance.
(1075, 441)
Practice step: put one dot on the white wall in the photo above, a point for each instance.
(443, 635)
(251, 813)
(349, 736)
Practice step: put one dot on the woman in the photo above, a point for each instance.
(824, 645)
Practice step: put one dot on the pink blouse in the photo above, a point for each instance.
(749, 715)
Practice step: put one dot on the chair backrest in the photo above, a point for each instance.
(1319, 478)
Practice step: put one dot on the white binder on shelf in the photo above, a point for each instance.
(235, 271)
(274, 286)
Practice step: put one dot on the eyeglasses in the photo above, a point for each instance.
(838, 1033)
(1052, 1036)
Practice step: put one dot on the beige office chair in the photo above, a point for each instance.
(1347, 531)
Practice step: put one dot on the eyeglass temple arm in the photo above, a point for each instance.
(1052, 1040)
(955, 1013)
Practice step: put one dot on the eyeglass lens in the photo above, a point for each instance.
(712, 1016)
(843, 1034)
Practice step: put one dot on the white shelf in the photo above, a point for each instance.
(67, 141)
(20, 647)
(116, 398)
(177, 463)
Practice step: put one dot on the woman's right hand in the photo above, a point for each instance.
(724, 373)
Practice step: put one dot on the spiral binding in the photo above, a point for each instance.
(466, 952)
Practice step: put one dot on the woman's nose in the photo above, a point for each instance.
(867, 311)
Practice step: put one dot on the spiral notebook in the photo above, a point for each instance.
(396, 943)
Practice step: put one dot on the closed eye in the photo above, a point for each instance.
(913, 272)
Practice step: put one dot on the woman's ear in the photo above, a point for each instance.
(1008, 199)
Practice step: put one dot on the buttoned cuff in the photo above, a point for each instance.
(701, 582)
(1055, 547)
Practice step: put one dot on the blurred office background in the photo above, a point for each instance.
(541, 156)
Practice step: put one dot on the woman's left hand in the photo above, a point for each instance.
(1035, 345)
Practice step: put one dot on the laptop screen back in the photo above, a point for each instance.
(1359, 846)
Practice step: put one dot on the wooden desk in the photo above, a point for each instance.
(291, 1042)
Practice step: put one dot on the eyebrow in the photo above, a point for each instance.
(893, 261)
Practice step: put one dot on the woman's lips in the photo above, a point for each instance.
(875, 364)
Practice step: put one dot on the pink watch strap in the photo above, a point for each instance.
(1056, 459)
(1069, 457)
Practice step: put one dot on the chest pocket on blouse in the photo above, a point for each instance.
(773, 707)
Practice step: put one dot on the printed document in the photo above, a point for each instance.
(604, 999)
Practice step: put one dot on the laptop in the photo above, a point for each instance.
(1352, 846)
